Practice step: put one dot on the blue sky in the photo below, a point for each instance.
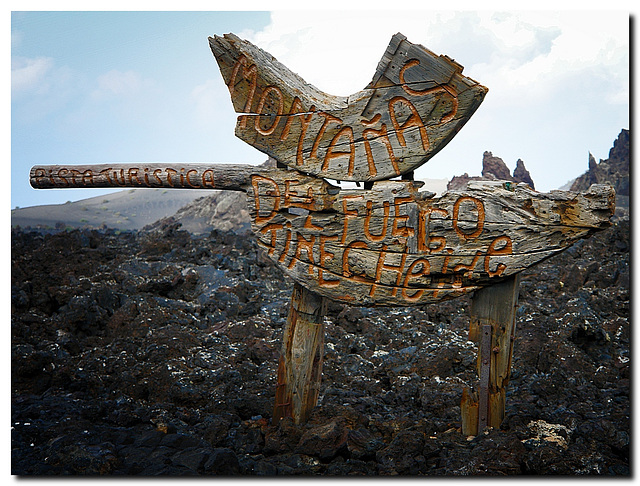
(98, 87)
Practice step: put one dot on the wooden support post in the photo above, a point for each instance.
(492, 326)
(300, 366)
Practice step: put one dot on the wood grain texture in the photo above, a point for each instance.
(173, 175)
(494, 308)
(300, 366)
(416, 102)
(394, 245)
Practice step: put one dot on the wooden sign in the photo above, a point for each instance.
(391, 245)
(388, 244)
(395, 246)
(415, 104)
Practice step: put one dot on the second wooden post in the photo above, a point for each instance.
(300, 366)
(492, 326)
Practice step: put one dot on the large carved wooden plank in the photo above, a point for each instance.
(416, 102)
(394, 245)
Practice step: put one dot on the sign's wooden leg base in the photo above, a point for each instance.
(492, 326)
(300, 366)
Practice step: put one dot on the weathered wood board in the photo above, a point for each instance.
(415, 104)
(493, 326)
(394, 245)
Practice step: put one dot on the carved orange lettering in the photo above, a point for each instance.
(75, 173)
(305, 202)
(261, 104)
(444, 270)
(479, 206)
(250, 73)
(445, 264)
(505, 250)
(192, 171)
(412, 275)
(382, 136)
(87, 177)
(334, 154)
(273, 229)
(308, 224)
(307, 245)
(441, 240)
(385, 221)
(405, 230)
(287, 243)
(105, 173)
(346, 269)
(382, 266)
(207, 179)
(121, 181)
(39, 174)
(412, 120)
(446, 89)
(170, 172)
(348, 214)
(324, 256)
(469, 267)
(328, 118)
(295, 114)
(133, 175)
(423, 214)
(61, 176)
(256, 180)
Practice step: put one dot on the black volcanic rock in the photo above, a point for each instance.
(156, 353)
(495, 168)
(521, 174)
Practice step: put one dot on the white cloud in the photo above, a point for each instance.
(207, 100)
(30, 75)
(558, 80)
(511, 52)
(118, 83)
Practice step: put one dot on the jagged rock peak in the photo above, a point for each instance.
(614, 170)
(495, 168)
(521, 174)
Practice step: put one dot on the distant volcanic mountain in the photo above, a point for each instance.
(614, 171)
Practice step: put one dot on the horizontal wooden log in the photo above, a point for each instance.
(174, 175)
(416, 102)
